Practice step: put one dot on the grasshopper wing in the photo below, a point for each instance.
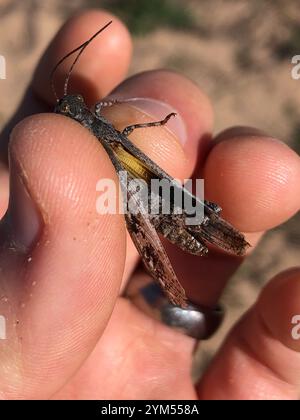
(154, 256)
(147, 241)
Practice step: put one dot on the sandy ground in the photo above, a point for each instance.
(233, 54)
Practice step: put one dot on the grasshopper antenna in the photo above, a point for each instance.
(81, 48)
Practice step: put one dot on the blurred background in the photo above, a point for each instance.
(239, 52)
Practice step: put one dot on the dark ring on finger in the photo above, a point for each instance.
(197, 321)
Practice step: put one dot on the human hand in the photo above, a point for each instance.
(63, 267)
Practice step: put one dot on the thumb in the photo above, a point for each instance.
(58, 283)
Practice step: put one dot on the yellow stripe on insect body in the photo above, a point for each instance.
(134, 166)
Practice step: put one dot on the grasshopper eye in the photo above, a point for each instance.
(65, 108)
(80, 98)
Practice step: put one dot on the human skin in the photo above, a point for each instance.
(70, 333)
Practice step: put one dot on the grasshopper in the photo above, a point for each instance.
(144, 228)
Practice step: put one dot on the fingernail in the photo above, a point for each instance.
(23, 217)
(158, 110)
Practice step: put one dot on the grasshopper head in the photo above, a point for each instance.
(72, 106)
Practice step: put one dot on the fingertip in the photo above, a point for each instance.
(279, 309)
(42, 143)
(239, 131)
(260, 357)
(255, 179)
